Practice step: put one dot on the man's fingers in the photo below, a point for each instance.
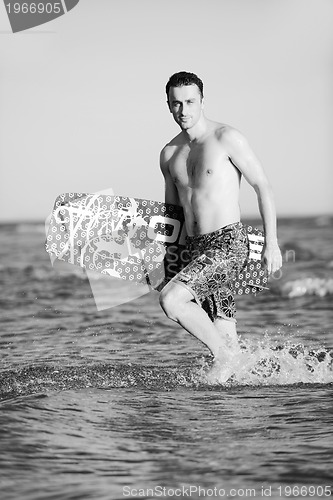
(272, 265)
(272, 260)
(276, 265)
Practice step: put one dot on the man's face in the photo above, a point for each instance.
(186, 105)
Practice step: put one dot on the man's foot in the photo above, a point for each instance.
(219, 373)
(227, 362)
(223, 366)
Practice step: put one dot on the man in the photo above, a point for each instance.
(202, 168)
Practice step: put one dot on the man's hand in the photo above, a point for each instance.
(272, 257)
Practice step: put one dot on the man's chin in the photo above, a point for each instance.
(184, 126)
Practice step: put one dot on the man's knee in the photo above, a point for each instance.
(172, 301)
(168, 303)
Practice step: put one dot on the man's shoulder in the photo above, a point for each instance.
(170, 148)
(178, 140)
(226, 133)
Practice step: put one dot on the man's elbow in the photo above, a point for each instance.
(263, 188)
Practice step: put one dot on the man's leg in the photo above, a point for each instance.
(176, 302)
(228, 333)
(229, 356)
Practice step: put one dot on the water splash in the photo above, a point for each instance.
(265, 363)
(259, 364)
(44, 378)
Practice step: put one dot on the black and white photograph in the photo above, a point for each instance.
(166, 255)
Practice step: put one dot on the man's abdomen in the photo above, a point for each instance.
(212, 211)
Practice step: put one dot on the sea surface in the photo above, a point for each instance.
(115, 403)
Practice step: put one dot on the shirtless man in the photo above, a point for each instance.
(202, 167)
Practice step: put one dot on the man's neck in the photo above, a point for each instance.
(195, 133)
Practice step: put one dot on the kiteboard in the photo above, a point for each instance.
(127, 238)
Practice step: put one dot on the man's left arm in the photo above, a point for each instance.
(242, 157)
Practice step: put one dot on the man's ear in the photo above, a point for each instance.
(202, 103)
(169, 106)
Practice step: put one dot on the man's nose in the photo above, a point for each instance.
(183, 109)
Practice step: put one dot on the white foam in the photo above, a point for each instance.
(265, 364)
(308, 286)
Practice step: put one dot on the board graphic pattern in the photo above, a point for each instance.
(127, 237)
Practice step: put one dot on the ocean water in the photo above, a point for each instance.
(115, 403)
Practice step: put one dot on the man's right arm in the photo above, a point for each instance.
(172, 198)
(171, 193)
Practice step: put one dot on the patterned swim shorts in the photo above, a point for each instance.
(216, 260)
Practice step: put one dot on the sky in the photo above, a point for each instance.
(83, 105)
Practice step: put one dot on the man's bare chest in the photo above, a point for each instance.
(196, 162)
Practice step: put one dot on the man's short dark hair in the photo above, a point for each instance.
(184, 78)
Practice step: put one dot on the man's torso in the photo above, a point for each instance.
(206, 180)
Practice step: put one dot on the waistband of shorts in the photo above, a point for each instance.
(218, 232)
